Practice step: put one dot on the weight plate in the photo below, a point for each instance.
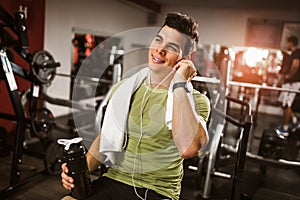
(40, 69)
(42, 122)
(54, 158)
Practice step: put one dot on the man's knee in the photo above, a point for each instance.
(68, 197)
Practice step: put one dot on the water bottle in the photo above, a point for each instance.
(74, 154)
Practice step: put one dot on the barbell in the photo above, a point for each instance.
(43, 66)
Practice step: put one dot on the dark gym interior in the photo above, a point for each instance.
(241, 61)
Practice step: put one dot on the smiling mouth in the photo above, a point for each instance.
(157, 60)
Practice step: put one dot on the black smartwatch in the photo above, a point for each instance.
(181, 84)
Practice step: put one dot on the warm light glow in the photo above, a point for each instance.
(253, 56)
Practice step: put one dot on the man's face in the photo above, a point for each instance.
(166, 48)
(288, 46)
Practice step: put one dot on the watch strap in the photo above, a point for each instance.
(180, 84)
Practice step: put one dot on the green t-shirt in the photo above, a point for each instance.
(151, 159)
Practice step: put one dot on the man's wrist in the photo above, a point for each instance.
(179, 79)
(182, 84)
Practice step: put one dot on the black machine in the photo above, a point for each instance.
(277, 147)
(13, 33)
(271, 145)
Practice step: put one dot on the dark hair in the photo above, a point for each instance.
(293, 39)
(184, 24)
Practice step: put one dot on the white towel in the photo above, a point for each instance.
(114, 129)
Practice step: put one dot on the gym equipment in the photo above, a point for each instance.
(261, 88)
(284, 151)
(216, 127)
(272, 145)
(7, 73)
(42, 122)
(54, 158)
(43, 67)
(3, 136)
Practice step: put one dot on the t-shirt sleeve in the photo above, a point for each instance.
(202, 105)
(296, 54)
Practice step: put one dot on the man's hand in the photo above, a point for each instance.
(67, 181)
(184, 71)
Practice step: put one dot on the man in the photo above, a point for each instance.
(292, 81)
(150, 165)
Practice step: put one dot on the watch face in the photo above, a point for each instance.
(188, 87)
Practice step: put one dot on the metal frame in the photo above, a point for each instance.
(216, 130)
(7, 73)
